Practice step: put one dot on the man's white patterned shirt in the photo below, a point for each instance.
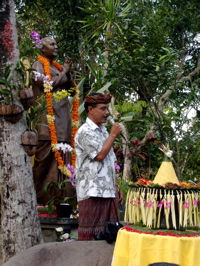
(93, 178)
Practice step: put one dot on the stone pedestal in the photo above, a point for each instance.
(75, 253)
(48, 225)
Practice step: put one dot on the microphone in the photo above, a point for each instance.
(111, 121)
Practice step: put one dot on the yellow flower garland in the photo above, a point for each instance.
(50, 116)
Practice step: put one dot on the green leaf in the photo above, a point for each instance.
(157, 68)
(81, 107)
(48, 185)
(50, 207)
(3, 82)
(5, 92)
(9, 79)
(36, 108)
(136, 33)
(80, 84)
(62, 184)
(66, 199)
(7, 71)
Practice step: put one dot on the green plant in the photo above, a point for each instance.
(59, 187)
(34, 113)
(8, 88)
(24, 73)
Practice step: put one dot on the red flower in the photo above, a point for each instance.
(142, 181)
(129, 229)
(47, 215)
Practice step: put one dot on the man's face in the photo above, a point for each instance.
(99, 113)
(50, 48)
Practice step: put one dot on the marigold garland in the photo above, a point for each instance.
(50, 116)
(75, 121)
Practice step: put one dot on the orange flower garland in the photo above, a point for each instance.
(75, 122)
(46, 64)
(50, 116)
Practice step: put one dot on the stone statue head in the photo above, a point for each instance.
(49, 47)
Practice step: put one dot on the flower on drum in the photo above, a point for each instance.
(168, 204)
(149, 204)
(65, 236)
(59, 229)
(135, 202)
(196, 202)
(160, 204)
(186, 205)
(184, 184)
(144, 182)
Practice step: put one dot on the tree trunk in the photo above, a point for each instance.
(127, 160)
(19, 220)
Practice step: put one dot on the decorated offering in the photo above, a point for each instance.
(164, 202)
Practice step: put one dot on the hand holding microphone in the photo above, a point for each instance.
(112, 122)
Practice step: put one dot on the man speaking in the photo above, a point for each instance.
(95, 171)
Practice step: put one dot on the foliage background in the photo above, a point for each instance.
(149, 50)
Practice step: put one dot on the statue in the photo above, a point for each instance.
(45, 167)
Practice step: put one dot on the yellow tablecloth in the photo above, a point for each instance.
(139, 249)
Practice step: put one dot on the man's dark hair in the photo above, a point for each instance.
(86, 105)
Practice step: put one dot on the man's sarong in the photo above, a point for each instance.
(93, 214)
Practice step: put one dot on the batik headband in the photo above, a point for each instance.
(98, 98)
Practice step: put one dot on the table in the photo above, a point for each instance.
(136, 248)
